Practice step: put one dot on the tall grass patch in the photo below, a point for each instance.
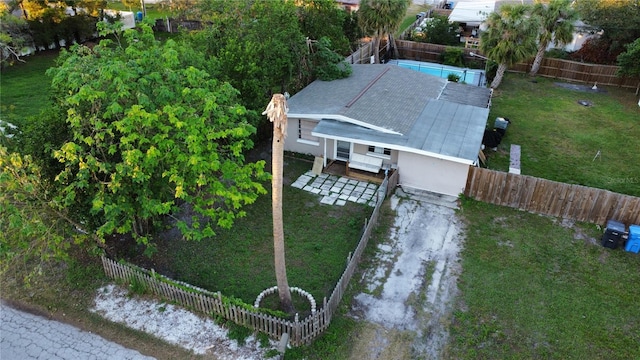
(535, 287)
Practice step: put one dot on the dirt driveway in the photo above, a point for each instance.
(406, 307)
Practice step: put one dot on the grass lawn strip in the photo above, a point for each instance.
(534, 287)
(561, 138)
(239, 262)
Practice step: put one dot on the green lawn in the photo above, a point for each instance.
(24, 87)
(534, 289)
(153, 11)
(239, 262)
(410, 18)
(560, 138)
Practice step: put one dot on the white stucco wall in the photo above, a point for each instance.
(291, 143)
(416, 171)
(431, 174)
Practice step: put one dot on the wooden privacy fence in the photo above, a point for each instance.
(552, 68)
(419, 51)
(580, 72)
(362, 55)
(553, 198)
(414, 50)
(300, 331)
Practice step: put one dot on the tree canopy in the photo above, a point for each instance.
(151, 133)
(556, 25)
(14, 36)
(263, 48)
(510, 38)
(629, 61)
(438, 30)
(619, 20)
(50, 21)
(378, 18)
(34, 228)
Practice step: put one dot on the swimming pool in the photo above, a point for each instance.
(468, 76)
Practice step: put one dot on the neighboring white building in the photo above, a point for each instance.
(388, 117)
(474, 12)
(127, 17)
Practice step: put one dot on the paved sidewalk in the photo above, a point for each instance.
(337, 190)
(25, 336)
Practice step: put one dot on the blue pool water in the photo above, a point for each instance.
(468, 76)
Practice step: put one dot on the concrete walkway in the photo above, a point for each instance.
(412, 283)
(337, 190)
(25, 336)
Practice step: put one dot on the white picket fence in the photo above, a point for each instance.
(214, 304)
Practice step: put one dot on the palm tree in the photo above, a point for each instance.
(378, 18)
(510, 38)
(277, 113)
(556, 25)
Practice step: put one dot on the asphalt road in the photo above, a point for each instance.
(26, 336)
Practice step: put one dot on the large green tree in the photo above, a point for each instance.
(260, 48)
(34, 228)
(619, 21)
(152, 136)
(438, 30)
(510, 38)
(379, 18)
(257, 49)
(556, 25)
(14, 36)
(322, 18)
(629, 61)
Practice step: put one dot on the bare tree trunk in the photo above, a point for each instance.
(376, 50)
(276, 111)
(538, 60)
(394, 47)
(278, 229)
(502, 68)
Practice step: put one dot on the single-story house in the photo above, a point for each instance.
(385, 117)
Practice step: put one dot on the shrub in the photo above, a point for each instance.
(557, 54)
(453, 77)
(453, 56)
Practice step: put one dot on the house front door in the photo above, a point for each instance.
(343, 149)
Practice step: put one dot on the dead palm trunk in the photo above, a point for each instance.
(277, 113)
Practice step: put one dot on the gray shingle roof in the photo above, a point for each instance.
(407, 109)
(392, 99)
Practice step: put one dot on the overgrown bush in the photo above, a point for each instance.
(596, 51)
(453, 77)
(557, 54)
(453, 56)
(438, 30)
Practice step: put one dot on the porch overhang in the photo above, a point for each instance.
(337, 130)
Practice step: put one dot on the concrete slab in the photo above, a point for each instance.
(341, 188)
(329, 200)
